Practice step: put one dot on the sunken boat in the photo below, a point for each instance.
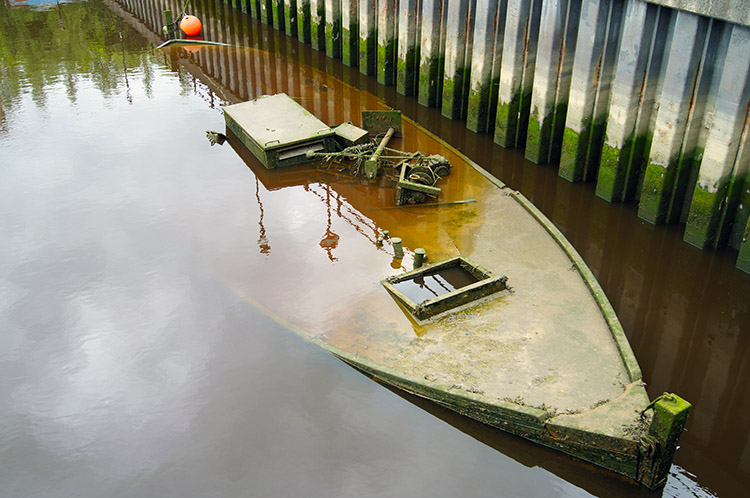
(472, 299)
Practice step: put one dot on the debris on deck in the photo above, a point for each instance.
(280, 132)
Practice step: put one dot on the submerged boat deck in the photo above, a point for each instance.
(544, 343)
(547, 354)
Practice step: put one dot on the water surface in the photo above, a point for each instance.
(131, 368)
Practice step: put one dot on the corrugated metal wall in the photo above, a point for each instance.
(649, 102)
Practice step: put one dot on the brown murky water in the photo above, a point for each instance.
(131, 368)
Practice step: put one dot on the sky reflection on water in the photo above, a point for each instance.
(130, 367)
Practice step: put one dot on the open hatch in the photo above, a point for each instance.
(443, 286)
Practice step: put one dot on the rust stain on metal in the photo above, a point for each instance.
(598, 70)
(526, 43)
(642, 91)
(561, 58)
(691, 104)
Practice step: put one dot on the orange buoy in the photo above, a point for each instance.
(190, 25)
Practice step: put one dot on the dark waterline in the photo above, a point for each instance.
(131, 371)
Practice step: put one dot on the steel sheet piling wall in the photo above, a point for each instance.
(516, 72)
(596, 48)
(318, 24)
(430, 53)
(290, 17)
(333, 28)
(386, 36)
(408, 50)
(368, 54)
(618, 169)
(688, 35)
(724, 165)
(485, 64)
(303, 21)
(350, 32)
(455, 72)
(558, 31)
(650, 102)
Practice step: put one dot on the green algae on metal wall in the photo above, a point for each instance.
(406, 71)
(290, 18)
(303, 21)
(349, 44)
(453, 92)
(266, 12)
(743, 259)
(664, 187)
(742, 215)
(333, 38)
(385, 69)
(253, 8)
(509, 120)
(685, 178)
(367, 52)
(538, 138)
(480, 113)
(612, 168)
(544, 137)
(703, 216)
(652, 204)
(277, 8)
(429, 84)
(317, 27)
(580, 154)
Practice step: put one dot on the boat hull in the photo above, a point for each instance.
(544, 357)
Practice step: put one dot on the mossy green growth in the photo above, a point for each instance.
(506, 121)
(317, 28)
(277, 7)
(333, 39)
(254, 8)
(636, 167)
(579, 154)
(429, 70)
(539, 138)
(570, 165)
(478, 112)
(406, 72)
(743, 259)
(533, 139)
(742, 213)
(595, 144)
(652, 206)
(524, 112)
(303, 21)
(664, 187)
(266, 12)
(670, 415)
(385, 69)
(453, 94)
(703, 217)
(609, 185)
(290, 19)
(350, 44)
(367, 53)
(446, 102)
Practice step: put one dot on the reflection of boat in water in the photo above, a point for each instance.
(513, 331)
